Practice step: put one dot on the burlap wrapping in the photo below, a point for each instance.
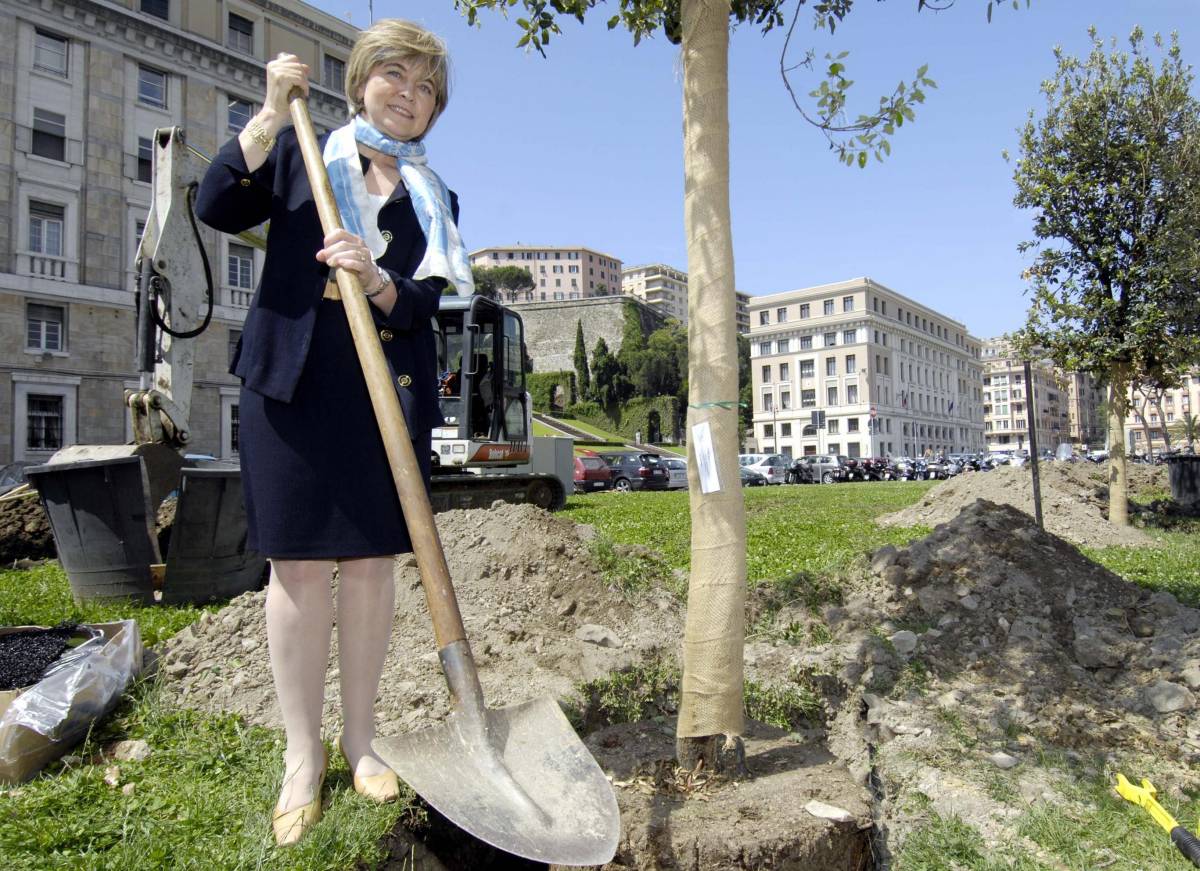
(714, 634)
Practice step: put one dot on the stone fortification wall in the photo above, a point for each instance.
(550, 327)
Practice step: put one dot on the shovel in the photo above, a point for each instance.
(517, 777)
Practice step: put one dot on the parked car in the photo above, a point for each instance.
(817, 469)
(592, 473)
(773, 467)
(676, 472)
(637, 471)
(751, 478)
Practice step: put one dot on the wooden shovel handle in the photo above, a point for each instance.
(418, 513)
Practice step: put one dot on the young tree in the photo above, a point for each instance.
(1186, 429)
(583, 377)
(714, 637)
(1112, 173)
(494, 281)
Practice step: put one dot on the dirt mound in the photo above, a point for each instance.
(983, 646)
(538, 614)
(1074, 500)
(24, 530)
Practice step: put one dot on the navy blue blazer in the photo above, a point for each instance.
(279, 324)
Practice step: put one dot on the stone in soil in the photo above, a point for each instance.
(669, 821)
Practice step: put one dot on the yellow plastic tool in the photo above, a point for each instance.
(1144, 796)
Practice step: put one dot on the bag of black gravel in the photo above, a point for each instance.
(41, 722)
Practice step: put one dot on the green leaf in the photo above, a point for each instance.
(862, 159)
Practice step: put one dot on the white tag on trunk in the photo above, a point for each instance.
(706, 459)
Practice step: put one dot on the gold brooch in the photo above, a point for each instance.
(404, 380)
(387, 236)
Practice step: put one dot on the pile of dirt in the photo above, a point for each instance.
(24, 530)
(538, 614)
(1074, 499)
(983, 646)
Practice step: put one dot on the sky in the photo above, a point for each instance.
(584, 147)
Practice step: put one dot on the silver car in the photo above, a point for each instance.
(677, 469)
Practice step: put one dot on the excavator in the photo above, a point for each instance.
(103, 501)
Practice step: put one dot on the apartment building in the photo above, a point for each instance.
(1085, 411)
(856, 368)
(1152, 412)
(86, 84)
(556, 273)
(666, 289)
(1007, 415)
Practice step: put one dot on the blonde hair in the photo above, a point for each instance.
(393, 39)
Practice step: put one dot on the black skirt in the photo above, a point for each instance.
(315, 475)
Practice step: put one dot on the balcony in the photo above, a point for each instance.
(238, 297)
(46, 266)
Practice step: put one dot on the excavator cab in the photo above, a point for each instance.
(482, 384)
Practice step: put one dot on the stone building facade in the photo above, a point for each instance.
(889, 375)
(1151, 412)
(83, 86)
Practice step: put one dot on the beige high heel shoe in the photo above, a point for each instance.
(290, 826)
(381, 788)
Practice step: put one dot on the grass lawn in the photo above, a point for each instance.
(814, 531)
(202, 798)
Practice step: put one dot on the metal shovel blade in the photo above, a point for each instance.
(523, 782)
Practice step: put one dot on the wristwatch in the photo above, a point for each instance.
(384, 280)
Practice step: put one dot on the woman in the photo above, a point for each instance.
(317, 484)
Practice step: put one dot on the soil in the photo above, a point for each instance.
(24, 530)
(977, 652)
(27, 653)
(1074, 499)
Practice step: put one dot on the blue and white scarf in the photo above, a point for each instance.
(445, 256)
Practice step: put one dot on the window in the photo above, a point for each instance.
(806, 369)
(831, 396)
(239, 267)
(46, 228)
(831, 365)
(44, 327)
(804, 310)
(781, 315)
(766, 374)
(834, 447)
(851, 363)
(808, 398)
(785, 400)
(50, 53)
(235, 336)
(781, 347)
(830, 340)
(157, 8)
(233, 427)
(850, 336)
(240, 34)
(847, 303)
(49, 135)
(764, 348)
(333, 73)
(783, 372)
(239, 114)
(834, 425)
(145, 159)
(806, 343)
(45, 422)
(828, 306)
(851, 394)
(764, 318)
(768, 401)
(768, 430)
(152, 87)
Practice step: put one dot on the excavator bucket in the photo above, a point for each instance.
(102, 502)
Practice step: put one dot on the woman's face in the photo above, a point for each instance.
(398, 98)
